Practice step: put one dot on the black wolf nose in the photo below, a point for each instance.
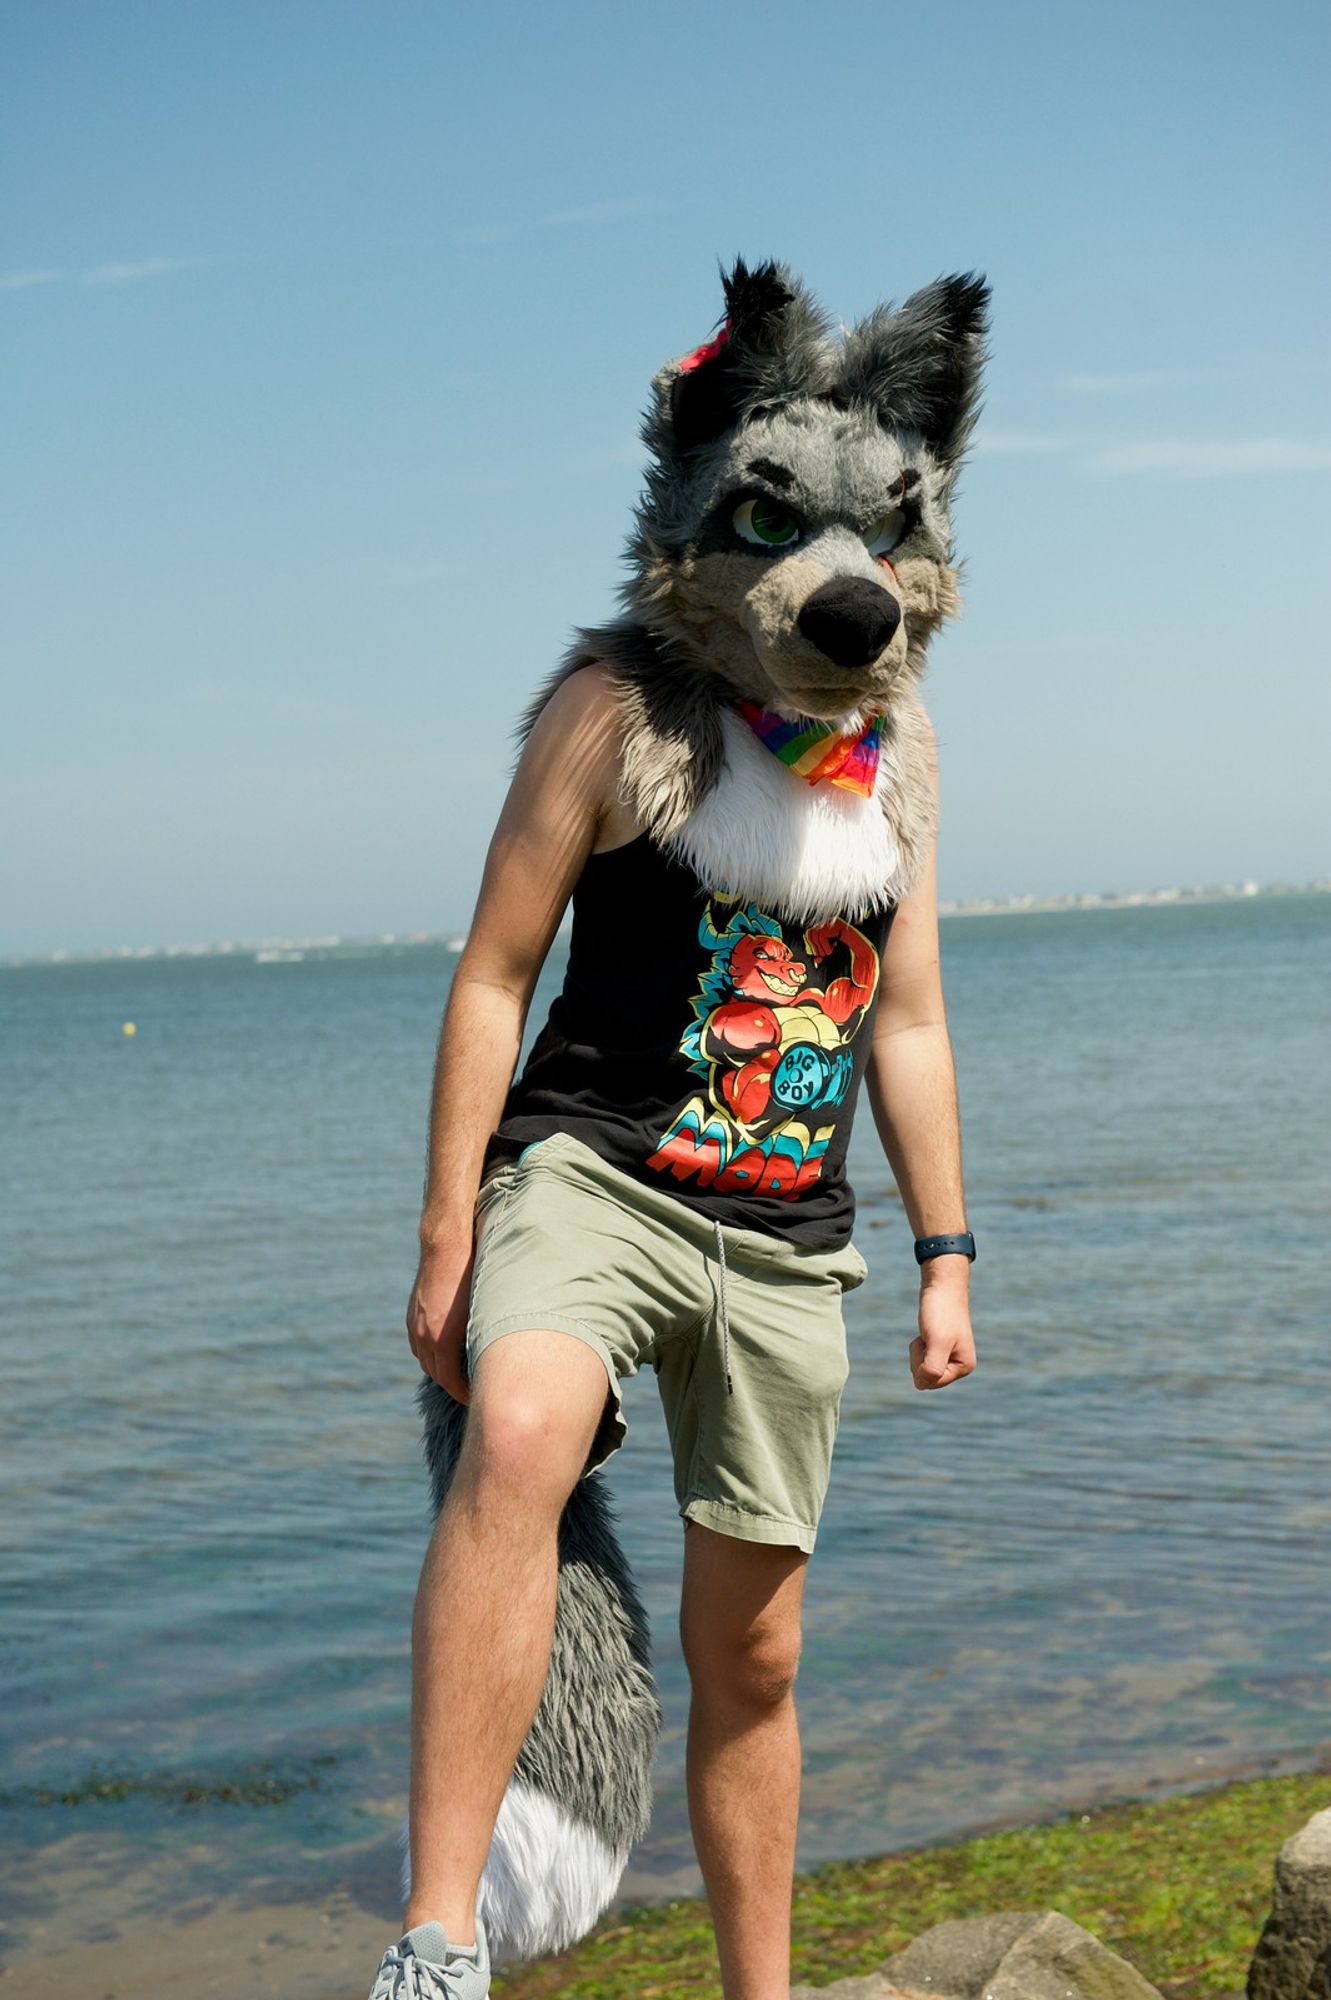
(850, 619)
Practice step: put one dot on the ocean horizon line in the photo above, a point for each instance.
(292, 949)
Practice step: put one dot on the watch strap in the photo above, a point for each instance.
(960, 1245)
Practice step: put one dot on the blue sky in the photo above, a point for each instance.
(327, 327)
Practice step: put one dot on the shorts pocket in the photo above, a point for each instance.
(493, 1187)
(850, 1267)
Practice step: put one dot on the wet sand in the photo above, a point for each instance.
(305, 1946)
(238, 1951)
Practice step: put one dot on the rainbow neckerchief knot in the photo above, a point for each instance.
(816, 751)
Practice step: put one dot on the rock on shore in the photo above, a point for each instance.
(1020, 1955)
(1293, 1957)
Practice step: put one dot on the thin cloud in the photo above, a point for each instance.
(128, 274)
(96, 274)
(22, 281)
(1213, 459)
(1022, 443)
(1170, 458)
(627, 452)
(555, 218)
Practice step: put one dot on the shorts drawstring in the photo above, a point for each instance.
(725, 1315)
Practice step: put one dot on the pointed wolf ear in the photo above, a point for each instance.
(920, 365)
(767, 349)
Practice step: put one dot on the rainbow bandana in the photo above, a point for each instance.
(815, 751)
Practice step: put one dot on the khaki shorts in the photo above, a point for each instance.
(744, 1331)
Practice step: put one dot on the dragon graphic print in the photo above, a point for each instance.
(773, 1022)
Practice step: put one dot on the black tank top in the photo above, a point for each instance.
(705, 1047)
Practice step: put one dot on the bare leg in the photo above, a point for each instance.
(740, 1626)
(485, 1607)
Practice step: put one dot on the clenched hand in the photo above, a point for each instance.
(437, 1315)
(944, 1349)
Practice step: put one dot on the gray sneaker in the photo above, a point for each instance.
(422, 1965)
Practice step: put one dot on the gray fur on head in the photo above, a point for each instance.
(858, 437)
(849, 435)
(913, 371)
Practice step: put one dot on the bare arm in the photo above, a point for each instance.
(563, 785)
(912, 1088)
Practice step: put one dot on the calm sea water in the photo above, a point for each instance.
(1097, 1567)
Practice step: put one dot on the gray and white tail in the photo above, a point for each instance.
(580, 1794)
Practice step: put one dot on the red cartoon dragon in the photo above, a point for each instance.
(779, 1041)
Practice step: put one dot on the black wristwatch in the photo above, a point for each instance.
(962, 1245)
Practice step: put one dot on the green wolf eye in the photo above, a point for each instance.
(767, 523)
(882, 538)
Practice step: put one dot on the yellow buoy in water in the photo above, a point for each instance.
(128, 1028)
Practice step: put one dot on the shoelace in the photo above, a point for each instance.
(403, 1976)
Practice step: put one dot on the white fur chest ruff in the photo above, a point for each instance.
(804, 852)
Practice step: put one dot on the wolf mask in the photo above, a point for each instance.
(793, 547)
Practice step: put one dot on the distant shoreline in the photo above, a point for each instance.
(278, 951)
(1129, 899)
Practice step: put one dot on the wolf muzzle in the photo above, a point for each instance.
(850, 620)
